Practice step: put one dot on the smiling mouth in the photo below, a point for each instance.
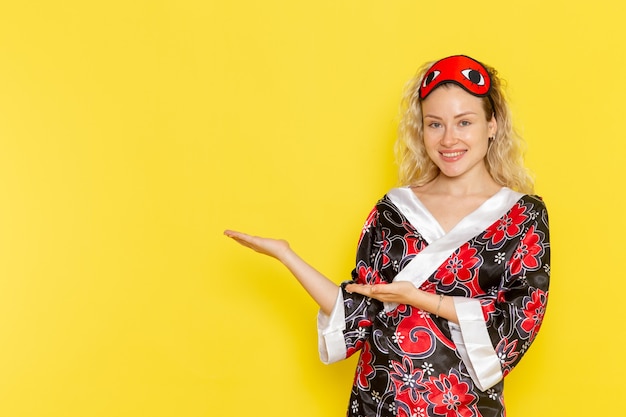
(452, 154)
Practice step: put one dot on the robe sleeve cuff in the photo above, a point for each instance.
(474, 344)
(330, 340)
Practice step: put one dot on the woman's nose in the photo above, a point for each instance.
(449, 137)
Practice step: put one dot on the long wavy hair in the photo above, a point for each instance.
(504, 160)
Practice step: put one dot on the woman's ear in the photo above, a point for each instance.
(493, 126)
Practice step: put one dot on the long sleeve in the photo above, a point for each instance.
(343, 332)
(496, 330)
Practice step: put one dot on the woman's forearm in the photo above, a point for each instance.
(436, 304)
(320, 288)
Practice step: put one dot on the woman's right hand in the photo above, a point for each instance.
(323, 290)
(276, 248)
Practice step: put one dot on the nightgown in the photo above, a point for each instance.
(495, 263)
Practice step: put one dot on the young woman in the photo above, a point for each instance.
(452, 273)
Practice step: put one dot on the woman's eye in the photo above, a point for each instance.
(434, 124)
(465, 123)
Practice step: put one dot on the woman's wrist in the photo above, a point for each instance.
(286, 255)
(441, 296)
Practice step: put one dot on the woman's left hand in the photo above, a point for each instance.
(401, 292)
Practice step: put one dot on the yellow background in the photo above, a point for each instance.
(133, 132)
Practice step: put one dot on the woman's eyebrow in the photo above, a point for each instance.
(467, 113)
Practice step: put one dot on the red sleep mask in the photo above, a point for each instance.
(460, 70)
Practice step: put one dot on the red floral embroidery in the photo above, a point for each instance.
(407, 380)
(399, 311)
(489, 308)
(528, 253)
(365, 323)
(351, 350)
(460, 266)
(385, 248)
(414, 244)
(534, 310)
(364, 369)
(368, 275)
(507, 226)
(507, 352)
(450, 396)
(418, 339)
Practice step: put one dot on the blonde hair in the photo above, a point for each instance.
(504, 160)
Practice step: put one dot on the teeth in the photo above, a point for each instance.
(452, 154)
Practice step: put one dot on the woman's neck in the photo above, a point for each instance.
(480, 184)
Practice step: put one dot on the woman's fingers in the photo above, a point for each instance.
(244, 239)
(360, 289)
(241, 238)
(266, 246)
(237, 235)
(392, 292)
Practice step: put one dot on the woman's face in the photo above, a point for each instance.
(456, 131)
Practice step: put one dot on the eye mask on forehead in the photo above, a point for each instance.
(461, 70)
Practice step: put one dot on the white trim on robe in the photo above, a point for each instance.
(474, 345)
(330, 341)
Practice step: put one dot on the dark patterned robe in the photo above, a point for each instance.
(495, 264)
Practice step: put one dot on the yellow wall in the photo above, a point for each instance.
(133, 132)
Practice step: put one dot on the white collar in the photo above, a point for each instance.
(441, 244)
